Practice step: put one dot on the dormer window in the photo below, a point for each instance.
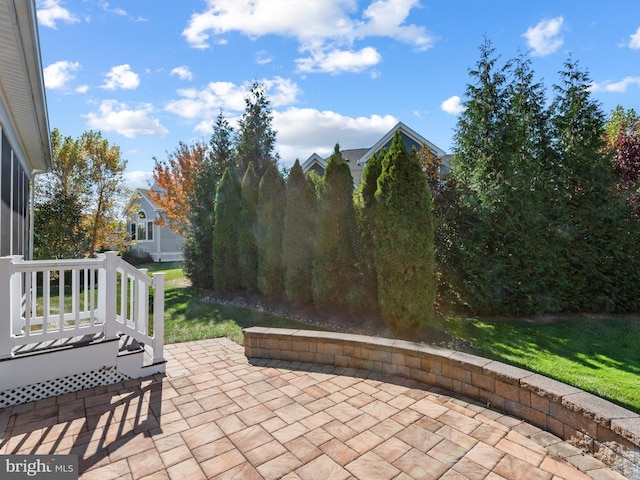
(141, 230)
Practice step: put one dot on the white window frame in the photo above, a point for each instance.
(142, 230)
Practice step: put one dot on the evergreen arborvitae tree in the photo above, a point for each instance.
(492, 241)
(247, 248)
(594, 238)
(226, 276)
(333, 268)
(404, 252)
(198, 254)
(269, 223)
(533, 221)
(298, 237)
(480, 162)
(256, 137)
(365, 295)
(469, 242)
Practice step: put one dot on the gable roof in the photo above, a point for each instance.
(23, 102)
(314, 159)
(140, 193)
(357, 158)
(409, 133)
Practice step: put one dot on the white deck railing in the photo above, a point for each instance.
(43, 301)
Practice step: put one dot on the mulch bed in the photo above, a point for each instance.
(336, 322)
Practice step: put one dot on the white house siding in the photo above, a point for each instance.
(165, 245)
(170, 247)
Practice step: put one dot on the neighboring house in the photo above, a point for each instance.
(357, 158)
(65, 324)
(25, 147)
(160, 242)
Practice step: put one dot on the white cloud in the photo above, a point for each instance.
(58, 74)
(324, 27)
(182, 72)
(114, 116)
(51, 11)
(120, 12)
(304, 131)
(117, 10)
(634, 40)
(617, 87)
(453, 105)
(263, 57)
(123, 77)
(337, 61)
(82, 89)
(545, 37)
(385, 18)
(138, 179)
(311, 19)
(206, 103)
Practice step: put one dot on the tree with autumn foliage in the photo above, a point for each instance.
(175, 180)
(623, 140)
(107, 189)
(77, 203)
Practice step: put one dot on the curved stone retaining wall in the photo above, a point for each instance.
(565, 411)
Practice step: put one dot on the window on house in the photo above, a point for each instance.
(141, 231)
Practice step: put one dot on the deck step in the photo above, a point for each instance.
(59, 344)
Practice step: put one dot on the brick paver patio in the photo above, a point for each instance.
(217, 415)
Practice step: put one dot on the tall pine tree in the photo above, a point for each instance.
(593, 237)
(256, 136)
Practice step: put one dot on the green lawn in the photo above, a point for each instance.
(599, 355)
(188, 317)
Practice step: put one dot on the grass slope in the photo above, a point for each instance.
(598, 355)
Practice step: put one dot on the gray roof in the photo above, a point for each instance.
(354, 155)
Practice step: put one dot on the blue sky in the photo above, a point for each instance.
(152, 73)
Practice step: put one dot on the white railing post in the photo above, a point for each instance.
(142, 305)
(16, 298)
(6, 272)
(102, 293)
(158, 317)
(109, 291)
